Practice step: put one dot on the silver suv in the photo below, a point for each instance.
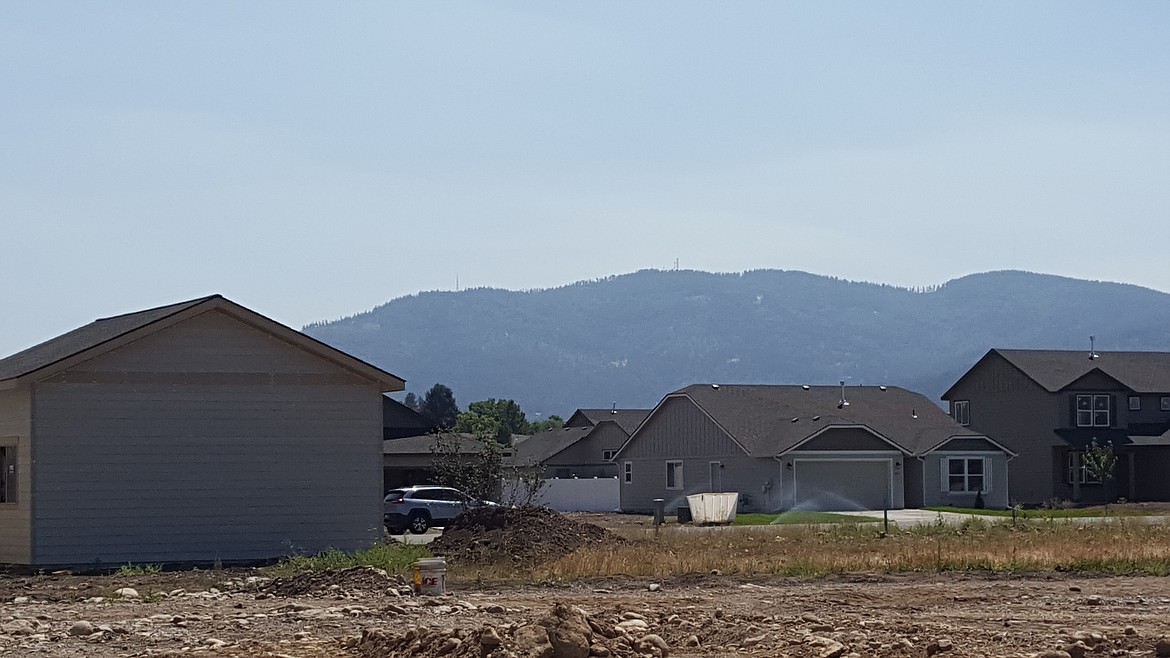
(417, 508)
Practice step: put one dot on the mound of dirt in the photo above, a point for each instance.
(519, 536)
(565, 632)
(331, 582)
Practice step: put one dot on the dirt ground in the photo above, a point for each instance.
(364, 613)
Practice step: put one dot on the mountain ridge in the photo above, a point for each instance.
(631, 338)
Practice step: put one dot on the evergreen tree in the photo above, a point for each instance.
(439, 406)
(412, 402)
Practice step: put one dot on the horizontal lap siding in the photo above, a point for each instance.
(678, 430)
(14, 517)
(181, 469)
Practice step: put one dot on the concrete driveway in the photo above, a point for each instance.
(905, 518)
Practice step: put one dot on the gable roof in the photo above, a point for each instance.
(105, 334)
(627, 419)
(769, 420)
(1053, 370)
(543, 445)
(426, 444)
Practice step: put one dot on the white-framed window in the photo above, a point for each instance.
(966, 474)
(8, 474)
(961, 411)
(627, 472)
(1135, 403)
(607, 455)
(674, 474)
(1165, 403)
(1081, 475)
(1093, 410)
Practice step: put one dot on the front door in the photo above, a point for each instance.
(716, 477)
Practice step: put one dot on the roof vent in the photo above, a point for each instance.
(882, 388)
(842, 403)
(794, 419)
(715, 386)
(816, 418)
(914, 414)
(1092, 352)
(805, 387)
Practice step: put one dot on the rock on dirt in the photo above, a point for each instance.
(565, 632)
(517, 536)
(331, 582)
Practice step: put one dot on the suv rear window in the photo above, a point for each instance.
(396, 493)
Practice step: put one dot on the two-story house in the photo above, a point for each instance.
(1049, 406)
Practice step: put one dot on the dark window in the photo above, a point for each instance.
(628, 472)
(962, 411)
(1093, 410)
(7, 474)
(1079, 475)
(966, 475)
(607, 455)
(674, 475)
(1165, 403)
(1135, 403)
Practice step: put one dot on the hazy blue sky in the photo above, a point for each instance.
(312, 160)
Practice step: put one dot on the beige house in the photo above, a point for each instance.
(195, 432)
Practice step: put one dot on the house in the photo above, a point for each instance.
(808, 447)
(399, 420)
(196, 432)
(1049, 406)
(584, 447)
(411, 460)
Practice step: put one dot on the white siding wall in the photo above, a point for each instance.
(14, 517)
(209, 440)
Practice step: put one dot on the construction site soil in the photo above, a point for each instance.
(367, 613)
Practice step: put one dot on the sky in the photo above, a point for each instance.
(314, 160)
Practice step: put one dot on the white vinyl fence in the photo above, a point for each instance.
(574, 494)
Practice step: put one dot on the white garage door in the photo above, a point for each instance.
(841, 485)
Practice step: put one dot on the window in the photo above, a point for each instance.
(1166, 403)
(966, 475)
(628, 472)
(1080, 475)
(607, 455)
(1135, 403)
(674, 475)
(1093, 410)
(7, 474)
(961, 410)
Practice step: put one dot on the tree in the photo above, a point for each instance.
(1099, 462)
(412, 402)
(508, 418)
(551, 423)
(439, 406)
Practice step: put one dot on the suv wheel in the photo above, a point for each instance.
(419, 522)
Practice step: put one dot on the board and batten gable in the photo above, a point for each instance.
(15, 516)
(678, 430)
(1014, 410)
(585, 457)
(208, 439)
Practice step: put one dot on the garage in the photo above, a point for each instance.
(836, 485)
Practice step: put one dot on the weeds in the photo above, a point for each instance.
(392, 558)
(802, 551)
(139, 569)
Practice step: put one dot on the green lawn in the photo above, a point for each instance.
(1043, 513)
(800, 517)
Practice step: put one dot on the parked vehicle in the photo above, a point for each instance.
(419, 507)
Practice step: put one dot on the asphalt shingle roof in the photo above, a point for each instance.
(627, 419)
(543, 445)
(1141, 372)
(87, 337)
(760, 417)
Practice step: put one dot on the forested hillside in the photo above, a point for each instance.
(630, 339)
